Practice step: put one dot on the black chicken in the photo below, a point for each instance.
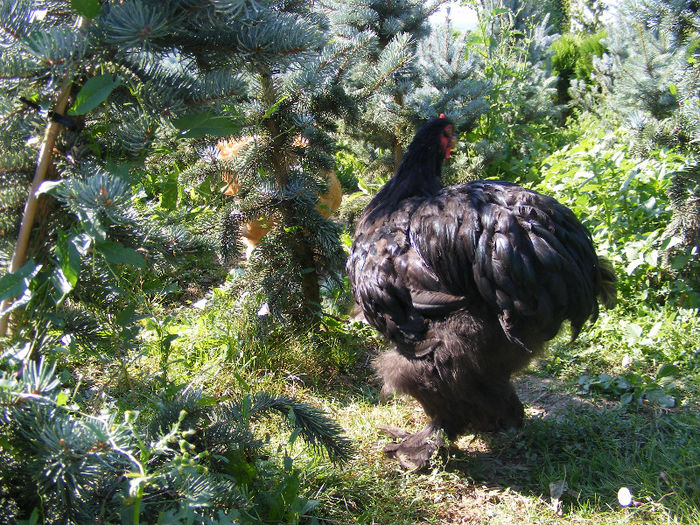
(468, 281)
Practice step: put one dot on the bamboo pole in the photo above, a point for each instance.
(44, 161)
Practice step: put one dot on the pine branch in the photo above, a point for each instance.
(315, 427)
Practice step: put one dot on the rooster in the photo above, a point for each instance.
(468, 282)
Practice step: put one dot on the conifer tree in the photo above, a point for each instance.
(452, 83)
(98, 90)
(450, 80)
(186, 461)
(385, 78)
(91, 93)
(139, 76)
(652, 70)
(294, 103)
(652, 74)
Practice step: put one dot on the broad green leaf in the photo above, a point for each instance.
(82, 243)
(68, 258)
(18, 303)
(48, 186)
(287, 464)
(61, 399)
(652, 257)
(86, 8)
(33, 519)
(93, 93)
(672, 88)
(126, 316)
(671, 242)
(118, 254)
(15, 284)
(691, 49)
(90, 220)
(680, 261)
(61, 284)
(667, 370)
(475, 38)
(168, 192)
(202, 124)
(657, 395)
(631, 267)
(633, 331)
(167, 341)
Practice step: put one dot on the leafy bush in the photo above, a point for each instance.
(623, 202)
(635, 388)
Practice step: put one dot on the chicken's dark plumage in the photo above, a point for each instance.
(469, 282)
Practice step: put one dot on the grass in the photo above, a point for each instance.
(505, 478)
(585, 444)
(577, 448)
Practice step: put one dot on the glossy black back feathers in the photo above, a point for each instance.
(424, 254)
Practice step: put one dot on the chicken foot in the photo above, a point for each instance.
(414, 450)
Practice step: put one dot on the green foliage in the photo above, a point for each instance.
(193, 460)
(514, 52)
(102, 236)
(652, 72)
(657, 92)
(523, 14)
(587, 15)
(573, 59)
(93, 93)
(237, 331)
(635, 388)
(177, 395)
(405, 75)
(590, 46)
(293, 102)
(622, 201)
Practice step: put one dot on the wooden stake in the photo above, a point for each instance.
(44, 161)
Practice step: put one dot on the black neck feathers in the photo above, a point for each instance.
(419, 172)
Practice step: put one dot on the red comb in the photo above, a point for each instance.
(442, 115)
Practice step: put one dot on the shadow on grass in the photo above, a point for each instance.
(595, 449)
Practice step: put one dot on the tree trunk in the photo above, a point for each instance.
(44, 163)
(301, 249)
